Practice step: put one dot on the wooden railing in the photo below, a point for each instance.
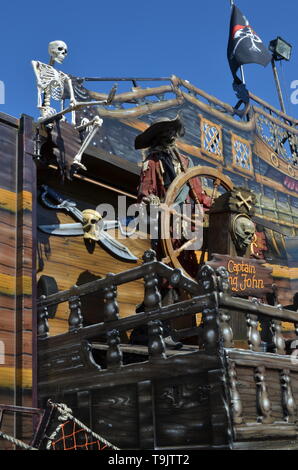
(261, 386)
(209, 295)
(154, 313)
(276, 128)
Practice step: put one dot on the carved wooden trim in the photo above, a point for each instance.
(209, 282)
(279, 342)
(263, 402)
(152, 299)
(42, 322)
(111, 307)
(235, 396)
(114, 353)
(288, 401)
(111, 313)
(253, 335)
(156, 345)
(75, 319)
(225, 328)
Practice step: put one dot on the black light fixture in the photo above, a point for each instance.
(281, 49)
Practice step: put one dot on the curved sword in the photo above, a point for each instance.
(54, 200)
(105, 238)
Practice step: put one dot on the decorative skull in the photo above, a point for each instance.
(243, 230)
(57, 51)
(90, 224)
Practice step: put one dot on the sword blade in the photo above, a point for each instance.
(115, 247)
(63, 229)
(105, 239)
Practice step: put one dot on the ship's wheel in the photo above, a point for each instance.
(214, 184)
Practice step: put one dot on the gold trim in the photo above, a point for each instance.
(9, 285)
(291, 171)
(263, 151)
(274, 160)
(10, 200)
(11, 377)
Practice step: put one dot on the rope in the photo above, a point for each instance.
(16, 442)
(66, 414)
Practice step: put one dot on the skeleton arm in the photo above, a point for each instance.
(35, 65)
(72, 100)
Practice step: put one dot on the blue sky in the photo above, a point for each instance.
(141, 38)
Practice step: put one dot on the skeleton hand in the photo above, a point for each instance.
(72, 102)
(151, 200)
(97, 121)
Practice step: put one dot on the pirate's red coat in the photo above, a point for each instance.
(151, 180)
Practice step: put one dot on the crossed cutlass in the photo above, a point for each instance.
(104, 238)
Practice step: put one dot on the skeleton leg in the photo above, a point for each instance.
(97, 123)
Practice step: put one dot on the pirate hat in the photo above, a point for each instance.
(145, 139)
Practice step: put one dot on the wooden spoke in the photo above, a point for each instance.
(218, 180)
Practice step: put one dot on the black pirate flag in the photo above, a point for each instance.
(245, 46)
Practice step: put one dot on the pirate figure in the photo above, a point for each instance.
(161, 166)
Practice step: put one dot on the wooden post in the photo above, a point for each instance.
(111, 312)
(75, 319)
(42, 324)
(152, 299)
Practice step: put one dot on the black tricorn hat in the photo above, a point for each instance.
(145, 139)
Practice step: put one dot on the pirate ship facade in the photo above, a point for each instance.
(223, 389)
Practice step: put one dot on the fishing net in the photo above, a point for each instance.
(72, 434)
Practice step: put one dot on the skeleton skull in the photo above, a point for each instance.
(90, 224)
(243, 230)
(57, 51)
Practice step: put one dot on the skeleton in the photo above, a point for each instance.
(51, 84)
(90, 224)
(242, 231)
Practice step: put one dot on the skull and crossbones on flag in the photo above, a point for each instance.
(245, 46)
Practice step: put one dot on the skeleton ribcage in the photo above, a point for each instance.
(52, 81)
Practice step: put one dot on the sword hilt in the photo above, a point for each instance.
(46, 191)
(63, 204)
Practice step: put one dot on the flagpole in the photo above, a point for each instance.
(241, 67)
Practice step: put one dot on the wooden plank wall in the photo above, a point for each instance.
(67, 259)
(17, 267)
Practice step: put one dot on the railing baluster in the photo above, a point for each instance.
(208, 281)
(278, 340)
(156, 345)
(254, 337)
(114, 353)
(296, 328)
(152, 299)
(288, 401)
(43, 325)
(225, 328)
(263, 402)
(111, 313)
(235, 396)
(75, 320)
